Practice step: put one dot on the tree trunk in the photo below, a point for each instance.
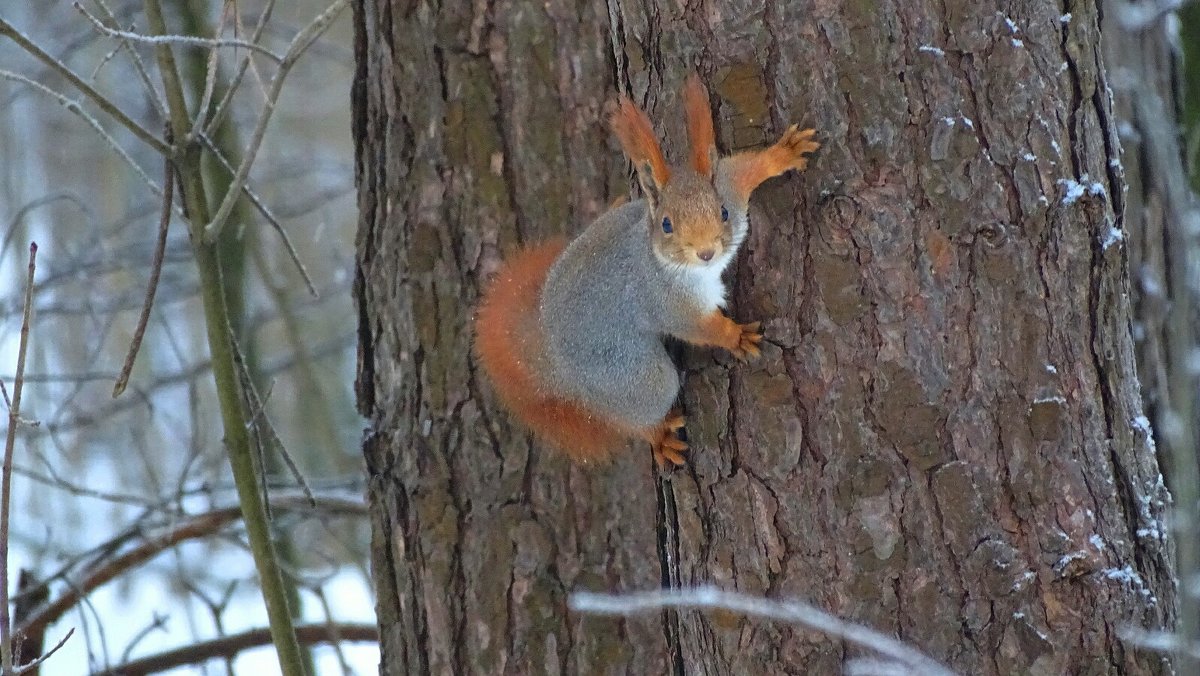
(944, 437)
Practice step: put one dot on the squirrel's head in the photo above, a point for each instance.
(688, 224)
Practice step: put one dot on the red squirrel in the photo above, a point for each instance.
(570, 335)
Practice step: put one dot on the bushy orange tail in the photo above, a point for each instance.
(508, 342)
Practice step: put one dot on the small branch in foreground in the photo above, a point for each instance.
(1157, 641)
(28, 668)
(160, 248)
(797, 612)
(229, 646)
(198, 526)
(14, 419)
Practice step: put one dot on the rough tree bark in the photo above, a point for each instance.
(943, 439)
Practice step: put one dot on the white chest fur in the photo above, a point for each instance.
(706, 282)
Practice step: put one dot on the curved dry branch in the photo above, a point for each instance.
(199, 526)
(228, 646)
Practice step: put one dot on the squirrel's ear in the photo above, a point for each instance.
(650, 188)
(636, 135)
(700, 126)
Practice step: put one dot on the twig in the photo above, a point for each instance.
(30, 595)
(266, 213)
(796, 612)
(228, 646)
(14, 416)
(258, 409)
(26, 668)
(160, 248)
(297, 47)
(186, 40)
(107, 106)
(195, 527)
(155, 97)
(74, 107)
(219, 114)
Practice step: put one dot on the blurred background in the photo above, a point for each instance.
(96, 477)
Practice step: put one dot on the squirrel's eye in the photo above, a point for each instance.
(724, 213)
(666, 224)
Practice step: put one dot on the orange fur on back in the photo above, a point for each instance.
(507, 340)
(699, 125)
(636, 134)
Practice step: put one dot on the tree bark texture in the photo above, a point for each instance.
(943, 437)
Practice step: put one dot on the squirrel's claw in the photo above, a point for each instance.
(747, 346)
(665, 443)
(795, 144)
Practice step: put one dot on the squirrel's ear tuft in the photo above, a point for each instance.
(700, 126)
(636, 135)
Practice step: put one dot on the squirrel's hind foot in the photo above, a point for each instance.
(665, 443)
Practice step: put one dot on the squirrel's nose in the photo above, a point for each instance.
(705, 255)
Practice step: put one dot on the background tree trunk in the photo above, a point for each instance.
(944, 439)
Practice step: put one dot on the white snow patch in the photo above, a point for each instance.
(1017, 43)
(1051, 399)
(1023, 580)
(1130, 577)
(1142, 424)
(1066, 560)
(967, 121)
(1097, 541)
(1029, 157)
(1012, 25)
(936, 51)
(1152, 533)
(1065, 18)
(1051, 368)
(1076, 189)
(1113, 236)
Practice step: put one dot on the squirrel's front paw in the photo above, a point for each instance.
(795, 144)
(748, 340)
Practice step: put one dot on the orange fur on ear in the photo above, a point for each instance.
(636, 134)
(699, 125)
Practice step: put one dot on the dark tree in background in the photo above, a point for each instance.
(944, 439)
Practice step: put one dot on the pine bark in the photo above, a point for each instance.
(943, 439)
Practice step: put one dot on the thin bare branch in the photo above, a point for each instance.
(219, 114)
(99, 99)
(74, 107)
(295, 50)
(28, 668)
(185, 40)
(228, 646)
(160, 248)
(266, 213)
(156, 98)
(797, 612)
(14, 418)
(193, 527)
(260, 423)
